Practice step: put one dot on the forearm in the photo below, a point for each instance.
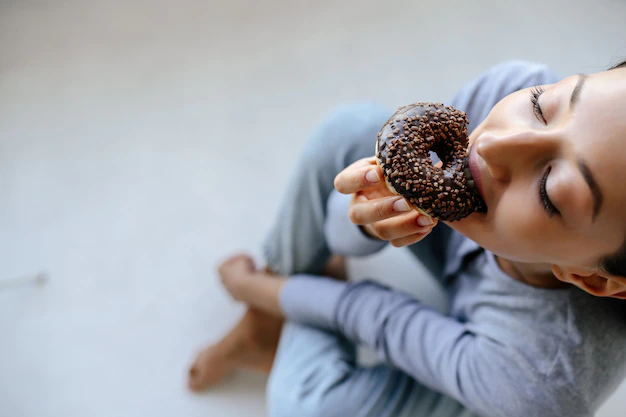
(484, 373)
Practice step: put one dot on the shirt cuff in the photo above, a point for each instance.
(311, 300)
(342, 236)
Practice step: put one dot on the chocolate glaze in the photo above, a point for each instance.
(403, 153)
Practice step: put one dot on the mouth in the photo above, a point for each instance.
(474, 176)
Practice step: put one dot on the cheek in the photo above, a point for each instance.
(519, 229)
(516, 230)
(522, 231)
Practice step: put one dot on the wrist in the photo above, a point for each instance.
(263, 291)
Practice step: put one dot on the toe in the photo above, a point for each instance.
(196, 376)
(193, 381)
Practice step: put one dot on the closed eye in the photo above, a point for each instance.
(543, 195)
(535, 92)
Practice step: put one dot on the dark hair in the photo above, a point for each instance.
(615, 264)
(618, 65)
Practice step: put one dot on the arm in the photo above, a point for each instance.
(478, 97)
(480, 366)
(483, 373)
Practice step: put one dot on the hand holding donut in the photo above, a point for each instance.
(381, 213)
(402, 180)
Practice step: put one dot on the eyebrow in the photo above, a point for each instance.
(576, 91)
(582, 165)
(593, 186)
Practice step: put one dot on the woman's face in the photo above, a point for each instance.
(551, 165)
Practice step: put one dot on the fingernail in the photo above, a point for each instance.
(424, 221)
(401, 205)
(372, 176)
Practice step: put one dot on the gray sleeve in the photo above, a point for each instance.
(478, 97)
(483, 373)
(342, 236)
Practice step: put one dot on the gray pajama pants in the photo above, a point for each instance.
(315, 372)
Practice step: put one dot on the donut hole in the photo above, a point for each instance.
(438, 154)
(434, 157)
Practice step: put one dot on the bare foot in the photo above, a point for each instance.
(251, 345)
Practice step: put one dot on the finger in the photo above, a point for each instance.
(368, 231)
(363, 211)
(379, 191)
(357, 177)
(401, 226)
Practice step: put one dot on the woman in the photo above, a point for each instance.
(520, 338)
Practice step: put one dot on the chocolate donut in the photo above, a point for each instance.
(403, 152)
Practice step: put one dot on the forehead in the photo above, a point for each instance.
(597, 123)
(608, 88)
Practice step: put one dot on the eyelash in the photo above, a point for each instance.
(545, 200)
(535, 92)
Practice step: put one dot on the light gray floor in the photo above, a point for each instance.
(142, 141)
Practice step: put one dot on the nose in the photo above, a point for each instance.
(506, 152)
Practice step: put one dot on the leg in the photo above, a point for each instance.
(315, 375)
(296, 243)
(250, 345)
